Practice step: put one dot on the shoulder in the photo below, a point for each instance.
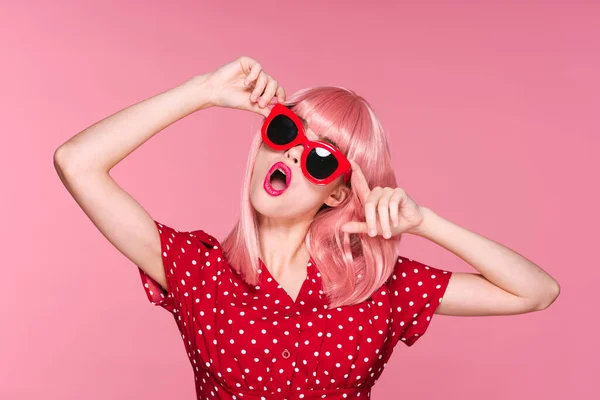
(196, 237)
(405, 266)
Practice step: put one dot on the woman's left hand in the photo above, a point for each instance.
(381, 204)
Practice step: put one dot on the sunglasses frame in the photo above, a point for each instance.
(343, 168)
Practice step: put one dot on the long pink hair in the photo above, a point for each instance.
(352, 266)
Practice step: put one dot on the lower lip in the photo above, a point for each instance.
(270, 189)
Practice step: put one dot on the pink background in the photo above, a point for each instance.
(492, 114)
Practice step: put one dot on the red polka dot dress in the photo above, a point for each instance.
(256, 343)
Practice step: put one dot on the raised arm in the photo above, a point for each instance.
(84, 161)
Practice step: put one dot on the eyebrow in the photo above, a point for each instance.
(321, 138)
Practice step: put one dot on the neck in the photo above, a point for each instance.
(282, 243)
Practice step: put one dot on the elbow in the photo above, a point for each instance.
(68, 162)
(63, 164)
(60, 158)
(59, 164)
(553, 293)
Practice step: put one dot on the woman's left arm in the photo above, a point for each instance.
(508, 283)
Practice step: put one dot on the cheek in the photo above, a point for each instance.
(260, 161)
(314, 193)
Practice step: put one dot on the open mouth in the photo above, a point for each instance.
(278, 179)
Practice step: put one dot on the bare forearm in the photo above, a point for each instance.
(105, 143)
(497, 263)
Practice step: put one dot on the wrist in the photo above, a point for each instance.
(200, 92)
(422, 228)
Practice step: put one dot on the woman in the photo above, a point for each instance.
(307, 296)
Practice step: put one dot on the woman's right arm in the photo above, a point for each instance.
(84, 161)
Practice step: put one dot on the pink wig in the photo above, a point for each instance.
(352, 266)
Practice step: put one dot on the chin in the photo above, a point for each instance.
(268, 212)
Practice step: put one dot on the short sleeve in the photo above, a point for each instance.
(185, 257)
(416, 290)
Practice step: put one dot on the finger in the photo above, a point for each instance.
(280, 94)
(264, 111)
(394, 201)
(359, 182)
(384, 212)
(247, 63)
(269, 92)
(370, 210)
(261, 82)
(355, 227)
(256, 69)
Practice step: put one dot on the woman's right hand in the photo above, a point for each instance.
(242, 84)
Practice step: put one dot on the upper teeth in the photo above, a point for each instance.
(281, 170)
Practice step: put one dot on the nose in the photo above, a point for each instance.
(294, 154)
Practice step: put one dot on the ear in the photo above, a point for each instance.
(338, 195)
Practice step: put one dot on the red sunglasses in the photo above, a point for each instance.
(321, 162)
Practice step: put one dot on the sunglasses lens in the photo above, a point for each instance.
(320, 163)
(282, 130)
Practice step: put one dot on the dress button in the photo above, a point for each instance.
(285, 353)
